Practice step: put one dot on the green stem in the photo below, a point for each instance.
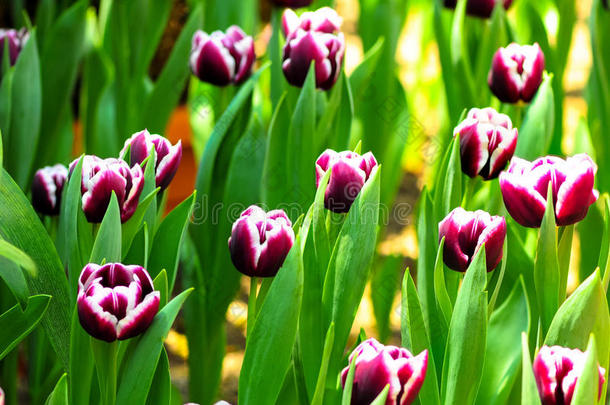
(251, 306)
(105, 355)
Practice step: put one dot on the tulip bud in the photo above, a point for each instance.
(222, 58)
(116, 301)
(516, 72)
(100, 177)
(487, 142)
(47, 187)
(349, 173)
(139, 147)
(557, 370)
(479, 8)
(378, 365)
(525, 185)
(315, 37)
(15, 40)
(1, 397)
(465, 232)
(260, 241)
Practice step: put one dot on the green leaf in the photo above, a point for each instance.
(150, 184)
(361, 77)
(17, 256)
(25, 114)
(503, 350)
(587, 386)
(415, 337)
(168, 239)
(161, 284)
(318, 397)
(161, 388)
(442, 296)
(134, 224)
(275, 176)
(346, 399)
(547, 277)
(107, 246)
(80, 372)
(16, 324)
(139, 371)
(381, 398)
(536, 131)
(465, 351)
(448, 183)
(529, 389)
(459, 54)
(499, 280)
(270, 344)
(585, 312)
(6, 87)
(168, 88)
(59, 396)
(14, 278)
(564, 251)
(21, 227)
(385, 282)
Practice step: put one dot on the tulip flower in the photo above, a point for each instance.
(479, 8)
(116, 301)
(260, 241)
(525, 185)
(465, 232)
(378, 365)
(487, 142)
(516, 72)
(349, 173)
(222, 58)
(1, 397)
(139, 147)
(47, 187)
(557, 370)
(100, 177)
(313, 37)
(15, 40)
(291, 3)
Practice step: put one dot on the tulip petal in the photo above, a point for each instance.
(139, 319)
(524, 204)
(244, 245)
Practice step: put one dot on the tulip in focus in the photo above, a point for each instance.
(139, 147)
(47, 186)
(557, 370)
(15, 40)
(524, 189)
(516, 72)
(222, 58)
(349, 173)
(465, 232)
(100, 177)
(260, 241)
(479, 8)
(116, 301)
(487, 142)
(378, 365)
(315, 37)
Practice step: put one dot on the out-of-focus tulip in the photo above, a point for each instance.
(47, 187)
(315, 37)
(260, 241)
(15, 40)
(349, 173)
(487, 142)
(465, 232)
(524, 189)
(222, 58)
(103, 176)
(557, 370)
(116, 301)
(516, 72)
(139, 147)
(479, 8)
(378, 365)
(1, 397)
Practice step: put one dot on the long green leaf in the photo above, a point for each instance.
(16, 323)
(529, 389)
(107, 246)
(59, 396)
(442, 296)
(318, 397)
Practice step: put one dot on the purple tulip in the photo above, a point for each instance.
(487, 142)
(349, 173)
(116, 301)
(465, 232)
(15, 39)
(260, 241)
(315, 37)
(524, 189)
(479, 8)
(516, 72)
(47, 187)
(103, 176)
(1, 397)
(378, 365)
(557, 370)
(222, 58)
(140, 145)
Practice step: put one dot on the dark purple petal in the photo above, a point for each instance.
(502, 78)
(131, 201)
(47, 186)
(138, 319)
(411, 376)
(97, 198)
(244, 245)
(168, 166)
(493, 237)
(479, 8)
(516, 72)
(96, 322)
(345, 183)
(534, 66)
(473, 147)
(215, 64)
(523, 203)
(449, 228)
(575, 194)
(274, 250)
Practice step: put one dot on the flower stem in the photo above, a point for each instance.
(251, 306)
(105, 355)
